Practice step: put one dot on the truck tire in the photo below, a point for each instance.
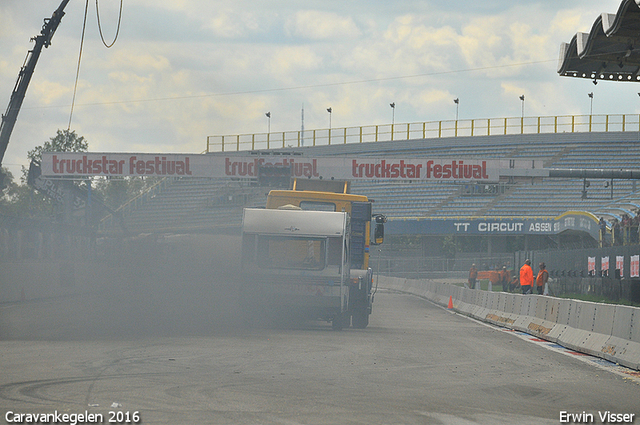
(339, 322)
(360, 319)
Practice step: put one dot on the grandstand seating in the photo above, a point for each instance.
(195, 203)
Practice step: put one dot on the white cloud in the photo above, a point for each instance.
(165, 84)
(319, 25)
(233, 24)
(292, 61)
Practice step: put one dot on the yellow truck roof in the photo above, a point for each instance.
(325, 196)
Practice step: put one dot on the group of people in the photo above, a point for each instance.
(624, 231)
(525, 280)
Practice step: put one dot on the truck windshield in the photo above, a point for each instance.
(291, 253)
(317, 206)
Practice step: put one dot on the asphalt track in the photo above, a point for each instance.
(187, 357)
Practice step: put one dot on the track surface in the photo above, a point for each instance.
(186, 359)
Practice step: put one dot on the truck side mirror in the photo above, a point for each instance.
(378, 233)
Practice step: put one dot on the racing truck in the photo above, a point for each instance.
(309, 256)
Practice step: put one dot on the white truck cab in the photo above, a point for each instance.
(298, 262)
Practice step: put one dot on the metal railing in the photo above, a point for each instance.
(426, 130)
(107, 221)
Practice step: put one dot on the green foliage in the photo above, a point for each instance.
(8, 181)
(63, 141)
(449, 246)
(22, 200)
(408, 241)
(116, 192)
(9, 193)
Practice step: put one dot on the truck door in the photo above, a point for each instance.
(359, 246)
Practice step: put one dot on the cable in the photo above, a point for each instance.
(84, 27)
(100, 26)
(75, 86)
(320, 85)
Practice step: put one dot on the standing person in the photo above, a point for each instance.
(542, 278)
(473, 276)
(526, 277)
(635, 222)
(603, 231)
(626, 229)
(504, 278)
(515, 282)
(617, 232)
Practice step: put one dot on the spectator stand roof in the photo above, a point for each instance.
(608, 51)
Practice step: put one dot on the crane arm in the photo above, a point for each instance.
(24, 77)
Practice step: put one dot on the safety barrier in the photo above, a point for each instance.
(608, 331)
(424, 130)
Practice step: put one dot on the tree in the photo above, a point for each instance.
(449, 246)
(8, 194)
(63, 141)
(20, 200)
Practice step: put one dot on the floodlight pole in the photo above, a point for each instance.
(393, 117)
(329, 110)
(457, 102)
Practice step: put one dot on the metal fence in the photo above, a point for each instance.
(404, 264)
(424, 130)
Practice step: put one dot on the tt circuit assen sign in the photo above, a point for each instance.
(71, 164)
(570, 221)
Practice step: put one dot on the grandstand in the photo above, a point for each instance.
(198, 204)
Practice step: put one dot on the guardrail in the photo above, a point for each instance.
(426, 130)
(609, 331)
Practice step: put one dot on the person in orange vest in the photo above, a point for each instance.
(473, 276)
(541, 279)
(526, 277)
(515, 282)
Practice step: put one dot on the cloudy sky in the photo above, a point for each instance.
(182, 70)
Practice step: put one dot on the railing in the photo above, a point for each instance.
(107, 221)
(426, 130)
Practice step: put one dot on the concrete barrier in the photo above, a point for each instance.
(562, 320)
(512, 305)
(481, 302)
(608, 331)
(523, 316)
(619, 347)
(553, 307)
(478, 300)
(539, 324)
(601, 325)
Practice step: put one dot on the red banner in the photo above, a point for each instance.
(635, 266)
(604, 266)
(82, 165)
(620, 264)
(591, 265)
